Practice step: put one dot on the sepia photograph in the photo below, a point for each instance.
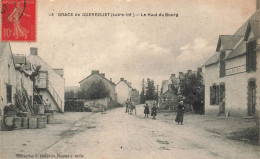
(130, 79)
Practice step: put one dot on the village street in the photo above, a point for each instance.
(119, 135)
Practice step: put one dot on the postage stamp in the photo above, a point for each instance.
(18, 20)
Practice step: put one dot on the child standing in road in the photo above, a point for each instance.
(146, 110)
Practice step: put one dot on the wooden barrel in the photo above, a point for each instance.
(41, 122)
(41, 109)
(33, 123)
(50, 118)
(25, 123)
(9, 121)
(17, 122)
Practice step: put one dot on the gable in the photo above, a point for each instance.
(167, 94)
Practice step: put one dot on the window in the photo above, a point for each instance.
(222, 64)
(214, 95)
(251, 56)
(9, 93)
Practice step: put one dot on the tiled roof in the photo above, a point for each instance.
(99, 76)
(238, 50)
(242, 30)
(213, 59)
(228, 41)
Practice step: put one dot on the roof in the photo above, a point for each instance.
(60, 71)
(242, 30)
(213, 59)
(99, 76)
(166, 92)
(125, 83)
(19, 59)
(240, 49)
(228, 41)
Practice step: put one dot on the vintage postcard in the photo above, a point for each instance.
(130, 79)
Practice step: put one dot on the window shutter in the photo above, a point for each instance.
(247, 57)
(222, 67)
(251, 56)
(211, 94)
(217, 95)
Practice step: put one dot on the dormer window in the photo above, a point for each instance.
(222, 64)
(251, 56)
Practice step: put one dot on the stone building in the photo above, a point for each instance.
(125, 91)
(96, 76)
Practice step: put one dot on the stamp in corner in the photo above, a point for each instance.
(18, 20)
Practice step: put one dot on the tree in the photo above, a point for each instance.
(97, 90)
(175, 87)
(69, 94)
(150, 90)
(142, 95)
(192, 88)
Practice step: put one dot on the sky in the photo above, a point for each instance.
(133, 47)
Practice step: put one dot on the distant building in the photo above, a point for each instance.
(96, 76)
(50, 83)
(125, 91)
(232, 73)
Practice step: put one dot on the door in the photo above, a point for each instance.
(251, 97)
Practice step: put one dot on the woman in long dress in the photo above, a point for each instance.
(180, 113)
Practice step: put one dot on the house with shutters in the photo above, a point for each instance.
(49, 83)
(95, 77)
(232, 73)
(125, 91)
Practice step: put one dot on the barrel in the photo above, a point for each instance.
(9, 121)
(41, 122)
(41, 109)
(33, 123)
(17, 122)
(25, 123)
(50, 118)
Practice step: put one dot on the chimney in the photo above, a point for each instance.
(199, 70)
(172, 76)
(180, 74)
(257, 4)
(102, 74)
(33, 51)
(111, 80)
(170, 87)
(189, 72)
(121, 79)
(95, 72)
(129, 83)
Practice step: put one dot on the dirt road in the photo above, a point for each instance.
(119, 135)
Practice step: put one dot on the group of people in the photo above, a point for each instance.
(147, 111)
(130, 106)
(178, 119)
